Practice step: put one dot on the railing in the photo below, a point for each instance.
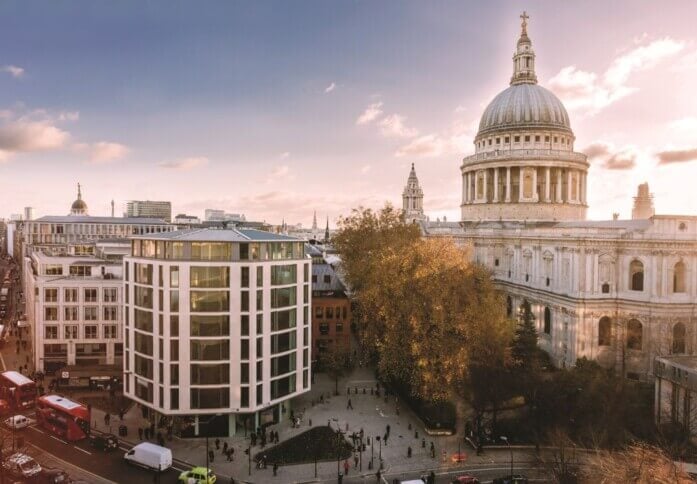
(525, 154)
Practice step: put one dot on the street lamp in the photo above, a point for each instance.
(380, 451)
(505, 439)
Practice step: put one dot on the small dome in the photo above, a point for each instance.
(524, 106)
(79, 205)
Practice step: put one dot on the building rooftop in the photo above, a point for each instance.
(220, 235)
(87, 219)
(685, 361)
(334, 284)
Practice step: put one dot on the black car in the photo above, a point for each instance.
(514, 479)
(104, 442)
(53, 476)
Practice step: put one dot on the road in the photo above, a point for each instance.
(486, 473)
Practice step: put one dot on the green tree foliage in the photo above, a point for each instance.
(335, 362)
(524, 351)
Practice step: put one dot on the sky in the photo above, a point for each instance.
(276, 109)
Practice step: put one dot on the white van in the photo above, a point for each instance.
(150, 456)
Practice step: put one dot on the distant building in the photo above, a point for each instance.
(74, 305)
(28, 213)
(331, 306)
(149, 209)
(235, 305)
(215, 215)
(675, 392)
(413, 199)
(183, 219)
(79, 207)
(643, 203)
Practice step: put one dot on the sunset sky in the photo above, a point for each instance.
(276, 109)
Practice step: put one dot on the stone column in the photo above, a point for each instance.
(547, 179)
(464, 188)
(508, 184)
(535, 195)
(559, 199)
(578, 186)
(486, 184)
(568, 185)
(496, 185)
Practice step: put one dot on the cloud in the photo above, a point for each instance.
(587, 91)
(676, 156)
(605, 155)
(330, 88)
(105, 151)
(393, 125)
(69, 116)
(285, 155)
(280, 171)
(22, 136)
(370, 114)
(365, 169)
(427, 145)
(14, 71)
(185, 164)
(687, 124)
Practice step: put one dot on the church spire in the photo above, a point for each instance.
(314, 220)
(326, 231)
(412, 198)
(524, 58)
(79, 191)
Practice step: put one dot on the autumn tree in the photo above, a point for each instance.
(524, 351)
(335, 362)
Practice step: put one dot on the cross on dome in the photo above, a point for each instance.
(524, 24)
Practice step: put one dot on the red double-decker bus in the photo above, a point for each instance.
(63, 417)
(17, 389)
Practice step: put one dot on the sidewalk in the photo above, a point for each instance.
(370, 413)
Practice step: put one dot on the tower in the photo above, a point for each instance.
(314, 221)
(326, 231)
(643, 203)
(112, 207)
(79, 207)
(413, 198)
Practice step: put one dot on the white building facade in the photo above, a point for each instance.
(217, 327)
(620, 291)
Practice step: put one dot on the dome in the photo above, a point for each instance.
(79, 205)
(524, 106)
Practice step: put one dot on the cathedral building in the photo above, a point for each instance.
(620, 292)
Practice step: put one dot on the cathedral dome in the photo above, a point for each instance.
(79, 205)
(526, 106)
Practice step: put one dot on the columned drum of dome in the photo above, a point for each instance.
(524, 166)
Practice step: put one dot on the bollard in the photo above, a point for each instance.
(423, 443)
(355, 390)
(416, 434)
(363, 390)
(310, 422)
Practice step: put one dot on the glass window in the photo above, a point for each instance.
(142, 296)
(244, 251)
(283, 386)
(174, 350)
(244, 325)
(260, 323)
(90, 295)
(143, 366)
(207, 350)
(218, 325)
(282, 320)
(143, 343)
(51, 313)
(210, 277)
(110, 313)
(260, 300)
(260, 276)
(143, 273)
(306, 271)
(70, 331)
(281, 297)
(91, 331)
(50, 294)
(90, 313)
(244, 277)
(244, 373)
(282, 364)
(260, 394)
(210, 397)
(143, 320)
(70, 295)
(282, 275)
(210, 251)
(71, 313)
(174, 398)
(110, 294)
(244, 301)
(174, 276)
(244, 397)
(319, 312)
(174, 325)
(260, 347)
(110, 331)
(282, 342)
(174, 374)
(175, 250)
(244, 349)
(50, 332)
(80, 270)
(53, 270)
(210, 374)
(210, 301)
(174, 301)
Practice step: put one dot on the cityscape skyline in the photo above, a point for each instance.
(68, 99)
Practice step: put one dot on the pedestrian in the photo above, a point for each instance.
(211, 455)
(253, 438)
(140, 433)
(217, 444)
(346, 467)
(121, 414)
(385, 439)
(387, 429)
(275, 468)
(378, 476)
(224, 447)
(409, 452)
(349, 406)
(355, 460)
(107, 419)
(231, 451)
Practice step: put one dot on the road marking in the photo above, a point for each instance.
(81, 450)
(70, 464)
(59, 440)
(38, 430)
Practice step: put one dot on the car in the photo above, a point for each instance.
(17, 422)
(53, 476)
(104, 442)
(514, 479)
(465, 479)
(197, 475)
(22, 466)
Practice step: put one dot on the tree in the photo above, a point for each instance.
(525, 351)
(335, 362)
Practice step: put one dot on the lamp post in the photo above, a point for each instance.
(505, 439)
(379, 452)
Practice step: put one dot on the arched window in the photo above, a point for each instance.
(679, 277)
(636, 275)
(527, 184)
(605, 331)
(509, 306)
(634, 335)
(548, 321)
(679, 338)
(605, 288)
